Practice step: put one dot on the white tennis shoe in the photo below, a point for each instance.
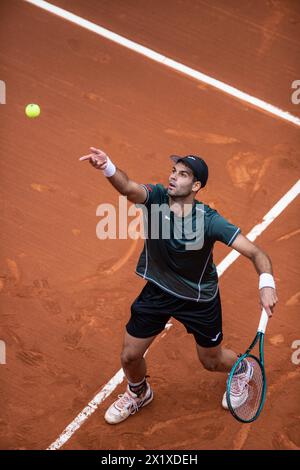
(127, 404)
(239, 388)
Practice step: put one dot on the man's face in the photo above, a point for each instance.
(181, 181)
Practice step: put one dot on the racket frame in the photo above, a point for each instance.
(259, 337)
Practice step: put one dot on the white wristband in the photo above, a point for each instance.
(110, 168)
(266, 280)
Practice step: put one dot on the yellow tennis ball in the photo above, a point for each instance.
(32, 110)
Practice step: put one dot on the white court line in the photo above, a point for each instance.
(259, 228)
(93, 405)
(145, 51)
(221, 268)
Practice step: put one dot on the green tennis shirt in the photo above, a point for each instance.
(182, 265)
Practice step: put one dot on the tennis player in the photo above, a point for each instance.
(182, 282)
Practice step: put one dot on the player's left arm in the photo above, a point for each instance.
(263, 266)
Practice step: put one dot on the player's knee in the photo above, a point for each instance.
(210, 364)
(129, 357)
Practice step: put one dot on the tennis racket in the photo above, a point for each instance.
(246, 384)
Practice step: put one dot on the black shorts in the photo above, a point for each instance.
(152, 309)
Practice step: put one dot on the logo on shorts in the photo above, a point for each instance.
(215, 339)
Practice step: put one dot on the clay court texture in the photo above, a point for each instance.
(65, 294)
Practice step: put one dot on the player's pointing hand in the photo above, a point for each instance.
(97, 158)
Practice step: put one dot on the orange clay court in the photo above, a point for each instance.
(65, 294)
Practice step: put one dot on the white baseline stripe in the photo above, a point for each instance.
(88, 410)
(157, 57)
(119, 376)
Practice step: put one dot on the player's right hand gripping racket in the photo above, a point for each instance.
(246, 392)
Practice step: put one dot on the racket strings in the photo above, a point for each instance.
(255, 394)
(249, 392)
(241, 368)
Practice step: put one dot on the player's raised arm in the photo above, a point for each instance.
(100, 160)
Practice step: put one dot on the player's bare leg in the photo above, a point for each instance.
(221, 360)
(216, 359)
(132, 357)
(138, 392)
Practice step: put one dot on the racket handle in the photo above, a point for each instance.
(263, 321)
